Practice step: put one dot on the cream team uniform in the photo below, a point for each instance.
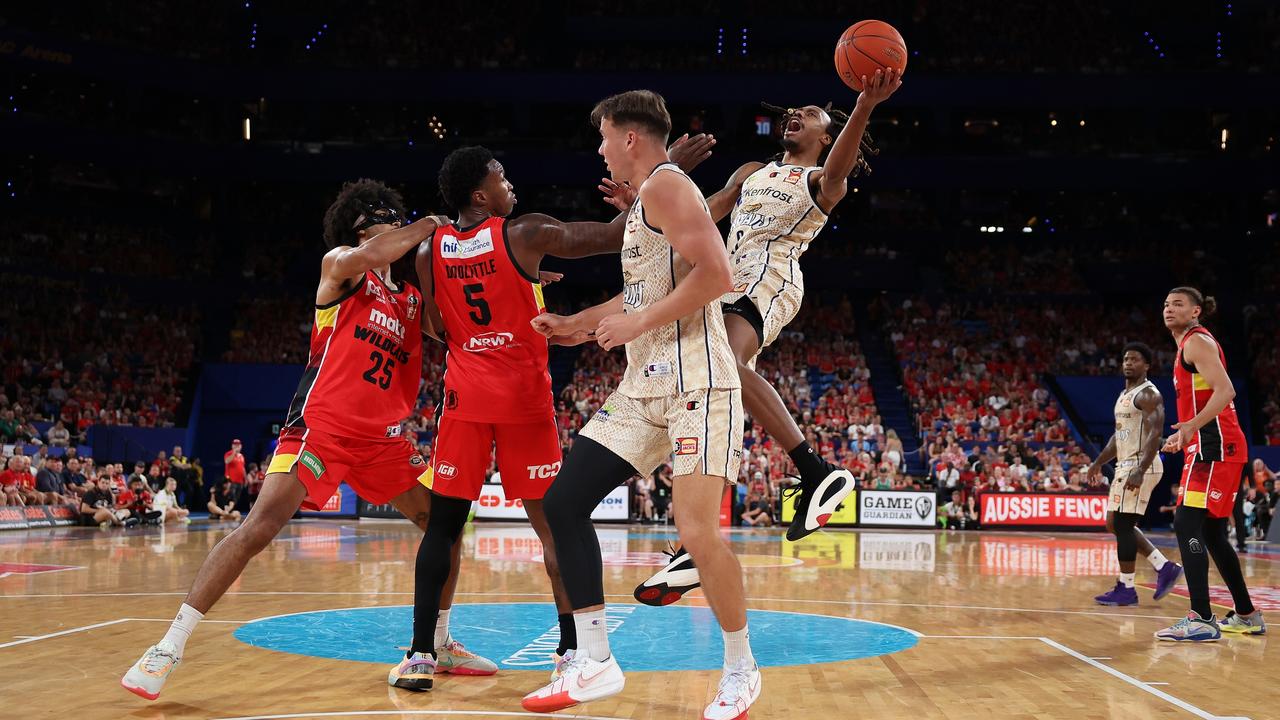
(1129, 430)
(775, 219)
(680, 394)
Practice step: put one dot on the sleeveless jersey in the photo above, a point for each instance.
(1129, 428)
(496, 365)
(775, 219)
(691, 353)
(1221, 440)
(365, 365)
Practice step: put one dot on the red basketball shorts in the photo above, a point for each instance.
(528, 458)
(377, 469)
(1211, 485)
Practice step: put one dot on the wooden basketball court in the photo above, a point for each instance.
(940, 625)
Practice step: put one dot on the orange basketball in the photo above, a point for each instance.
(866, 47)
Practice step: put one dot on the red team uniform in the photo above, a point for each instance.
(361, 380)
(1214, 460)
(497, 388)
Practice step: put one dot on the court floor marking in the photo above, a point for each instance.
(372, 713)
(23, 640)
(1123, 677)
(545, 595)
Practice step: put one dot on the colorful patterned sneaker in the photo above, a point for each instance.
(670, 583)
(560, 660)
(147, 676)
(1167, 578)
(581, 680)
(1191, 628)
(1246, 624)
(1119, 595)
(738, 689)
(456, 659)
(415, 672)
(818, 501)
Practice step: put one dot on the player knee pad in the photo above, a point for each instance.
(1126, 543)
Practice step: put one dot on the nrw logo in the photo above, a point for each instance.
(542, 472)
(445, 470)
(489, 341)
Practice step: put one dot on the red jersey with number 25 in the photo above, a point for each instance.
(366, 362)
(496, 367)
(1221, 440)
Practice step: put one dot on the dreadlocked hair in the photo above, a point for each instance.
(352, 200)
(838, 120)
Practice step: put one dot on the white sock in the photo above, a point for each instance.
(1127, 579)
(593, 634)
(1157, 559)
(442, 629)
(182, 626)
(737, 648)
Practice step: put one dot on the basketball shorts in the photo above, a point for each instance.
(1211, 485)
(528, 458)
(1125, 499)
(699, 431)
(775, 299)
(377, 469)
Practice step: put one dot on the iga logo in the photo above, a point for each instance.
(489, 341)
(1215, 494)
(542, 472)
(445, 470)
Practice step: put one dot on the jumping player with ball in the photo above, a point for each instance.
(778, 208)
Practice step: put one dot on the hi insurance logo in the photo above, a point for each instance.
(897, 508)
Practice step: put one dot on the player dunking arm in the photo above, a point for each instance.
(778, 209)
(1214, 452)
(680, 390)
(361, 380)
(1135, 446)
(480, 279)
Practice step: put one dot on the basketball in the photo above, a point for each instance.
(868, 46)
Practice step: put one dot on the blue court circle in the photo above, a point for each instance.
(522, 636)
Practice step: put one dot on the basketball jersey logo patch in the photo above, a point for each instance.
(312, 463)
(686, 446)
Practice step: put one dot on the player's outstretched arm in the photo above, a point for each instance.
(1151, 404)
(833, 179)
(673, 205)
(569, 326)
(540, 234)
(1202, 353)
(343, 263)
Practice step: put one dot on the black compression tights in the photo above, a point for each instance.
(435, 559)
(1126, 541)
(589, 473)
(1199, 537)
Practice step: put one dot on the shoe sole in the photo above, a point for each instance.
(798, 529)
(138, 691)
(466, 671)
(416, 683)
(662, 593)
(743, 716)
(1251, 631)
(1194, 640)
(562, 700)
(1115, 604)
(1172, 584)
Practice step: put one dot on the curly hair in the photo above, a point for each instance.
(462, 172)
(838, 120)
(341, 216)
(1207, 304)
(1142, 349)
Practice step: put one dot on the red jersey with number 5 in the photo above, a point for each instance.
(366, 362)
(496, 366)
(1221, 440)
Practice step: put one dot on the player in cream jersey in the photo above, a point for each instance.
(680, 395)
(1135, 447)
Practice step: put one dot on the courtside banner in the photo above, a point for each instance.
(13, 518)
(846, 514)
(341, 504)
(1049, 509)
(494, 505)
(884, 507)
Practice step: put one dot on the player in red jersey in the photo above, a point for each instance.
(480, 277)
(361, 380)
(1214, 452)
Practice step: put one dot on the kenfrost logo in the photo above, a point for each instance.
(445, 470)
(542, 472)
(489, 341)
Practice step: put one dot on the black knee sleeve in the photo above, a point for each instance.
(1126, 543)
(589, 473)
(434, 564)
